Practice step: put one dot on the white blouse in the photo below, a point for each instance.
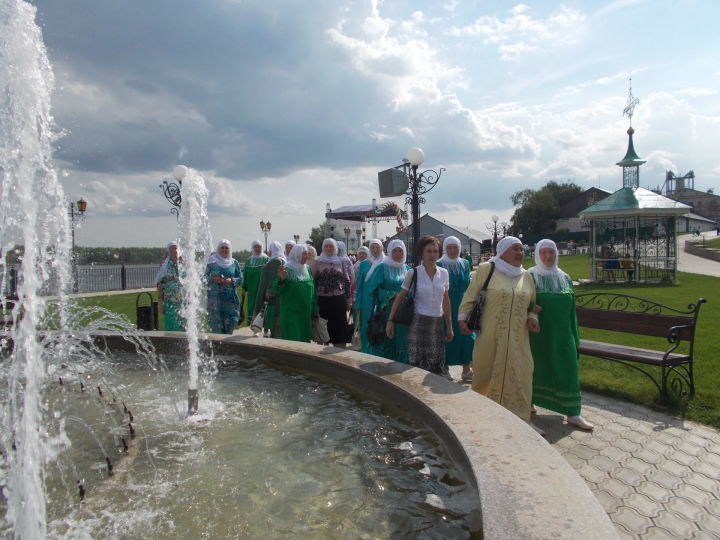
(430, 292)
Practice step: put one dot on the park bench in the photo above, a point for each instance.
(639, 316)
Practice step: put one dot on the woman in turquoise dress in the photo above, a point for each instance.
(169, 289)
(363, 298)
(556, 381)
(381, 288)
(295, 289)
(251, 276)
(223, 274)
(459, 351)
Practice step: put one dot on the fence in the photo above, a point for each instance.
(96, 278)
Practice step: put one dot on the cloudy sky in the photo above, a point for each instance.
(283, 106)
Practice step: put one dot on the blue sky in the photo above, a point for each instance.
(283, 105)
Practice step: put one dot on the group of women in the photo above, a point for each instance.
(524, 354)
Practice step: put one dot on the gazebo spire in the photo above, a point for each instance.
(631, 162)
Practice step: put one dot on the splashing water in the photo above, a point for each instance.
(195, 243)
(32, 207)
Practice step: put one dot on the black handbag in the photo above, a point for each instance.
(475, 318)
(406, 310)
(376, 325)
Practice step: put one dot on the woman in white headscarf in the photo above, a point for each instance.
(556, 380)
(170, 295)
(251, 275)
(288, 247)
(382, 288)
(295, 288)
(271, 321)
(502, 360)
(459, 351)
(362, 253)
(363, 299)
(223, 275)
(333, 282)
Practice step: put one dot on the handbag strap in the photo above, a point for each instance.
(492, 269)
(413, 282)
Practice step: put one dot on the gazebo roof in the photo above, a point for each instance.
(635, 202)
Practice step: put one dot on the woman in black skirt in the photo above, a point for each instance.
(333, 283)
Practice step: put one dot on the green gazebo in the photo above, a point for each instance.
(633, 231)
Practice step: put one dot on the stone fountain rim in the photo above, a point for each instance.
(527, 490)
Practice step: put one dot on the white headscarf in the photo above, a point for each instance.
(375, 261)
(277, 251)
(296, 270)
(289, 243)
(452, 264)
(504, 266)
(342, 250)
(549, 278)
(164, 266)
(330, 259)
(254, 257)
(222, 262)
(389, 260)
(362, 249)
(312, 253)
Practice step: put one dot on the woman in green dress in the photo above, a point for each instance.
(251, 276)
(556, 381)
(295, 289)
(459, 351)
(169, 289)
(363, 294)
(264, 293)
(223, 275)
(381, 289)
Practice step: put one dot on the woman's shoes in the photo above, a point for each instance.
(580, 422)
(467, 376)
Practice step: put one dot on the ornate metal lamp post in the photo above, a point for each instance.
(358, 232)
(171, 190)
(296, 237)
(493, 228)
(76, 212)
(265, 228)
(346, 230)
(420, 184)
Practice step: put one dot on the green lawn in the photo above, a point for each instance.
(714, 243)
(606, 377)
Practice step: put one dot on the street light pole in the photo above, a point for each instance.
(346, 230)
(76, 212)
(296, 237)
(265, 228)
(419, 184)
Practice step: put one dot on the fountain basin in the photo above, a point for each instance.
(526, 489)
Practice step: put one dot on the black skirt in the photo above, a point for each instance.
(334, 309)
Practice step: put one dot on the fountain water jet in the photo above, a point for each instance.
(195, 244)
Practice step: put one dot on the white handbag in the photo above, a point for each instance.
(320, 332)
(259, 320)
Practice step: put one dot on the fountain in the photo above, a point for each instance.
(418, 455)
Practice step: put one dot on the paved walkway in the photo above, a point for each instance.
(694, 264)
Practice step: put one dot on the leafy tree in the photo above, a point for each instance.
(317, 235)
(538, 210)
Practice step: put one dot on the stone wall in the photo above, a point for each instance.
(696, 248)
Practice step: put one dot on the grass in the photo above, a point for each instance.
(714, 243)
(607, 377)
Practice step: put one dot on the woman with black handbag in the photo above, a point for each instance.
(382, 286)
(431, 325)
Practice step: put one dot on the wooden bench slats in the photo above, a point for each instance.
(647, 324)
(632, 354)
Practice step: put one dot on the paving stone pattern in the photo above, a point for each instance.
(656, 476)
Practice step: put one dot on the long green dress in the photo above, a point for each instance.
(556, 382)
(381, 288)
(459, 351)
(171, 294)
(264, 292)
(298, 305)
(363, 303)
(251, 279)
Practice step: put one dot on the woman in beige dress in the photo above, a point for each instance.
(502, 360)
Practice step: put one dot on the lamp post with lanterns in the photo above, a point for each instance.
(76, 211)
(296, 237)
(265, 228)
(347, 230)
(358, 232)
(494, 227)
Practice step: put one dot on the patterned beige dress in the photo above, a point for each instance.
(502, 360)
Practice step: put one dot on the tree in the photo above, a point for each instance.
(538, 211)
(317, 235)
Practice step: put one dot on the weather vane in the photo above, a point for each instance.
(631, 104)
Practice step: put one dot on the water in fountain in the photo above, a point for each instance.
(195, 244)
(32, 207)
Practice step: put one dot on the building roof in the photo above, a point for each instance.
(359, 212)
(470, 233)
(635, 201)
(631, 158)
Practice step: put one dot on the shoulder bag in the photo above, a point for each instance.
(320, 332)
(376, 324)
(474, 319)
(406, 310)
